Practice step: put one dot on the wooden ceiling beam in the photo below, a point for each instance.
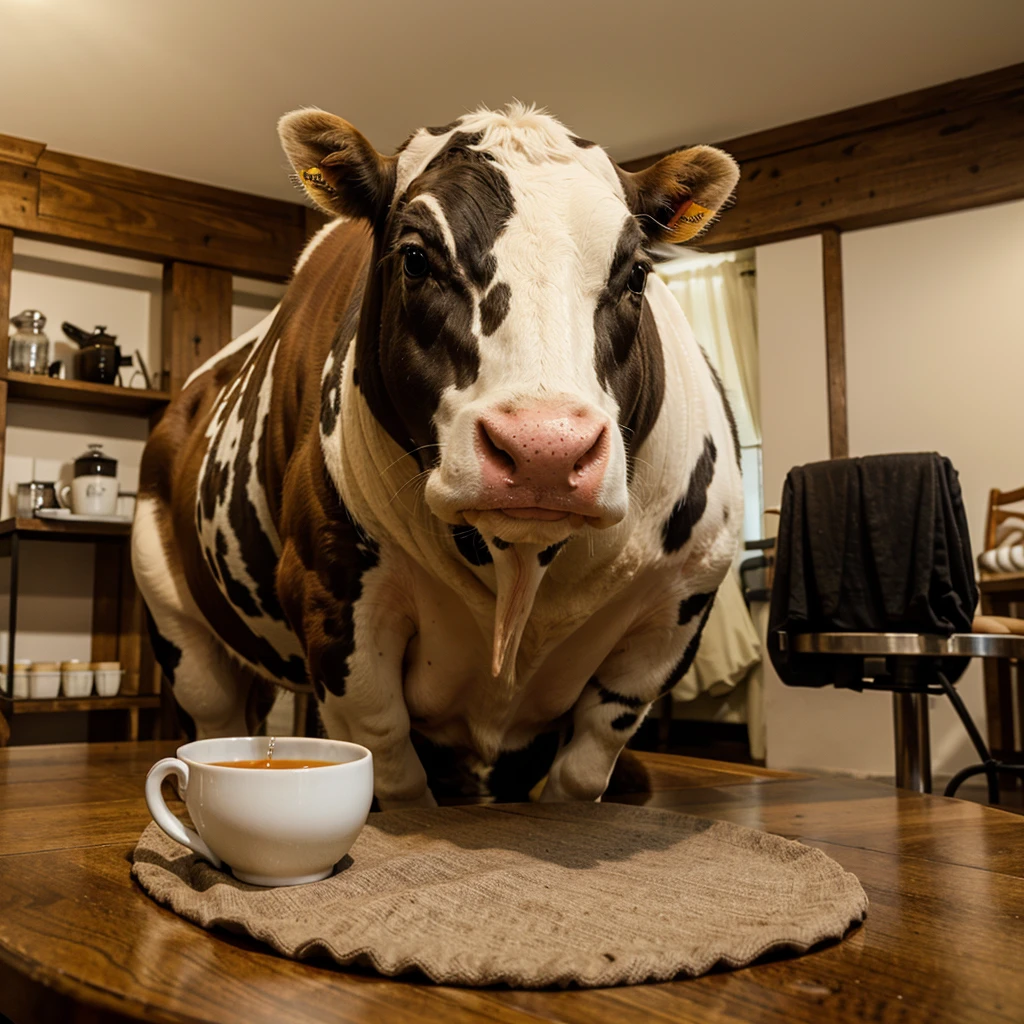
(950, 147)
(63, 198)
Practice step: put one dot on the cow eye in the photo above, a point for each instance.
(637, 279)
(416, 264)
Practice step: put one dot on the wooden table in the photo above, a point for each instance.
(80, 942)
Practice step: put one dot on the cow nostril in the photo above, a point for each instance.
(592, 454)
(492, 450)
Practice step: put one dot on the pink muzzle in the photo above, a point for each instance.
(543, 462)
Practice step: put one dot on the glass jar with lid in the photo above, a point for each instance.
(29, 345)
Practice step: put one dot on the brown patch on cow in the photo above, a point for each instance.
(304, 332)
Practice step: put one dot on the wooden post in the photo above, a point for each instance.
(196, 318)
(6, 266)
(835, 343)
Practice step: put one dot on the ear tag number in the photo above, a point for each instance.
(690, 219)
(314, 179)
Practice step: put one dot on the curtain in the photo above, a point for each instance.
(718, 296)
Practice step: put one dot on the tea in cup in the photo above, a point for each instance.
(283, 821)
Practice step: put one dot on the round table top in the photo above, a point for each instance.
(917, 645)
(80, 941)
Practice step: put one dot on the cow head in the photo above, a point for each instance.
(505, 338)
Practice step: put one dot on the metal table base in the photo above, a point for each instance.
(910, 666)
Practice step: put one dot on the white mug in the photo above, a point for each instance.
(91, 495)
(271, 826)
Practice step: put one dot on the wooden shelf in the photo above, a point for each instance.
(44, 529)
(122, 702)
(83, 394)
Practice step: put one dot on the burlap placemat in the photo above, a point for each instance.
(531, 895)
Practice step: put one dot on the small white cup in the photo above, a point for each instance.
(43, 680)
(20, 680)
(107, 675)
(76, 679)
(271, 826)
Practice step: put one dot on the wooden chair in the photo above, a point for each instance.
(1003, 594)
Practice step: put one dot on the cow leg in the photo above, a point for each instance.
(355, 642)
(207, 683)
(614, 702)
(370, 709)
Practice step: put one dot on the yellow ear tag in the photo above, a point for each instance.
(314, 179)
(690, 219)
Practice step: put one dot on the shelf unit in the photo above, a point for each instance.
(85, 395)
(201, 235)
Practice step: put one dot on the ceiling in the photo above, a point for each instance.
(193, 88)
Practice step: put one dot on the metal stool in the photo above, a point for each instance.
(910, 666)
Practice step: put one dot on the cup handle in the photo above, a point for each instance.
(161, 813)
(62, 496)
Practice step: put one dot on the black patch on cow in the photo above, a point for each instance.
(625, 721)
(444, 129)
(516, 772)
(692, 606)
(471, 545)
(494, 308)
(330, 388)
(628, 355)
(350, 553)
(684, 663)
(501, 545)
(214, 485)
(547, 556)
(167, 654)
(332, 664)
(318, 689)
(729, 415)
(582, 143)
(256, 549)
(237, 593)
(688, 509)
(611, 697)
(416, 336)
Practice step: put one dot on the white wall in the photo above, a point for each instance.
(935, 357)
(86, 288)
(827, 728)
(791, 342)
(935, 362)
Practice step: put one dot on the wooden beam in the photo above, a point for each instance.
(835, 343)
(116, 209)
(6, 266)
(947, 148)
(196, 318)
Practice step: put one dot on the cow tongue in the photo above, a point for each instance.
(518, 574)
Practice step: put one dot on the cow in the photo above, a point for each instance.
(473, 483)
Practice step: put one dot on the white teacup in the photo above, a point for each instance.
(270, 826)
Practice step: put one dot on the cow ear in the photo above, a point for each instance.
(336, 165)
(676, 198)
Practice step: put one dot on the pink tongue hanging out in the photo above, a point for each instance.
(518, 573)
